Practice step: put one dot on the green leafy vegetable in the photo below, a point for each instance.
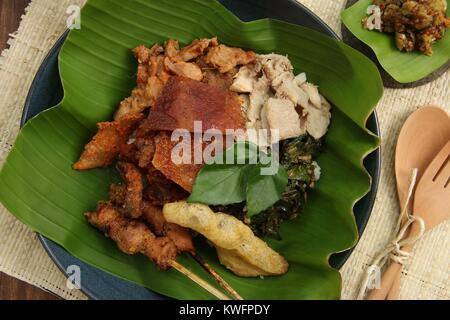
(297, 157)
(237, 175)
(264, 190)
(220, 184)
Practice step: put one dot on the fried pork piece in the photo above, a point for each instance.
(190, 52)
(154, 89)
(135, 186)
(136, 103)
(143, 54)
(161, 190)
(195, 49)
(140, 150)
(142, 97)
(184, 101)
(213, 77)
(184, 69)
(158, 69)
(128, 153)
(182, 174)
(172, 48)
(222, 80)
(153, 216)
(146, 152)
(181, 237)
(132, 236)
(177, 61)
(230, 234)
(226, 58)
(145, 144)
(105, 146)
(150, 79)
(117, 194)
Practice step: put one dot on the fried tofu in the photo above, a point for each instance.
(221, 229)
(239, 266)
(230, 234)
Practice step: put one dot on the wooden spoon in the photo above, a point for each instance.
(424, 133)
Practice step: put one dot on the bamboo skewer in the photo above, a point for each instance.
(205, 285)
(205, 265)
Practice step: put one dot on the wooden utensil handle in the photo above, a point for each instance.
(387, 280)
(394, 292)
(390, 280)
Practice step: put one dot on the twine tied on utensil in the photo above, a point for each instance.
(393, 251)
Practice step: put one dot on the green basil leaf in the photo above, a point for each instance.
(220, 184)
(223, 180)
(236, 175)
(264, 190)
(240, 153)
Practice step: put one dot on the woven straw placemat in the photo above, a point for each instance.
(426, 276)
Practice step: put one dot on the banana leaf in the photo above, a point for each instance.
(403, 67)
(98, 70)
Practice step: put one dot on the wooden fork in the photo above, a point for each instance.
(432, 204)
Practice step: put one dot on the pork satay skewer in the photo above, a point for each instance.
(129, 197)
(133, 237)
(183, 241)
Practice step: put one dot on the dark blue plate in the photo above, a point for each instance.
(46, 91)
